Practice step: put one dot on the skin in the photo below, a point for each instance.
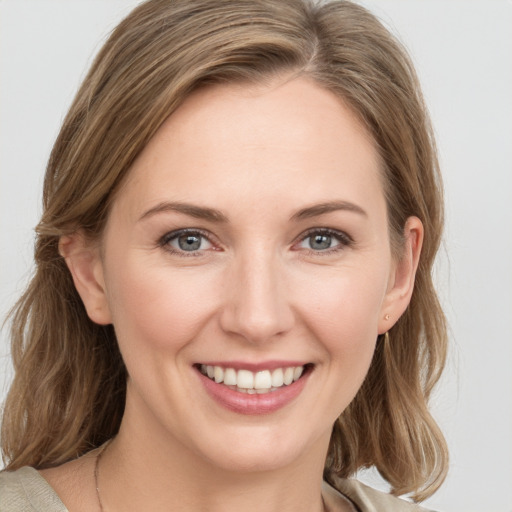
(255, 291)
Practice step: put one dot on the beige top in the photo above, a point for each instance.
(25, 490)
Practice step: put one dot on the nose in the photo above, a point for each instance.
(257, 304)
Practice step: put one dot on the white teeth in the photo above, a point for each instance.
(218, 374)
(230, 377)
(264, 381)
(288, 376)
(297, 372)
(245, 379)
(277, 378)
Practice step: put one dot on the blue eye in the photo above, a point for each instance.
(320, 242)
(186, 241)
(324, 240)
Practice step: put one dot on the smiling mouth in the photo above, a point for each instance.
(260, 382)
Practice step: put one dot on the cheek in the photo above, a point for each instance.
(158, 307)
(344, 314)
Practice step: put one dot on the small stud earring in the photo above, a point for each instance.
(387, 317)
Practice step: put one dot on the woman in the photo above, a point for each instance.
(233, 298)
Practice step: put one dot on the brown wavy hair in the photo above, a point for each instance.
(68, 392)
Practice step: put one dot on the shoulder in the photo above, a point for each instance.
(368, 499)
(25, 490)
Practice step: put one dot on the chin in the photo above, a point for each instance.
(255, 462)
(262, 452)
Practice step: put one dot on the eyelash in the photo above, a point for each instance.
(165, 241)
(343, 238)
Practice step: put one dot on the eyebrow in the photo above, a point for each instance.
(331, 206)
(192, 210)
(214, 215)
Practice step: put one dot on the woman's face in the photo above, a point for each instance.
(250, 243)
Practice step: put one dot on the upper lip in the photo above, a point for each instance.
(254, 366)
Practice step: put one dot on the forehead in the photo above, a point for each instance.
(288, 139)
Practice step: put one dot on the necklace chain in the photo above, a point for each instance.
(97, 471)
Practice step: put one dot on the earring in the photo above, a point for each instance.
(386, 317)
(386, 337)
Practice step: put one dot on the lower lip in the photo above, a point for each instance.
(243, 403)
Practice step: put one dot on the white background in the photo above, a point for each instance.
(463, 52)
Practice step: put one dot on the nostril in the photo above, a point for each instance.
(256, 325)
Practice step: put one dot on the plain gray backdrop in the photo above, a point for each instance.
(463, 53)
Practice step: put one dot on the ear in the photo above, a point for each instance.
(84, 261)
(401, 282)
